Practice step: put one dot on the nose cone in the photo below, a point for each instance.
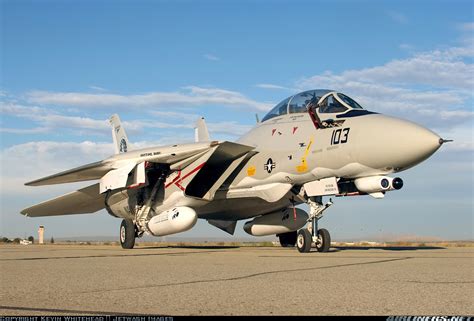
(400, 144)
(416, 144)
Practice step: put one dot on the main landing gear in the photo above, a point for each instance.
(131, 229)
(128, 233)
(311, 234)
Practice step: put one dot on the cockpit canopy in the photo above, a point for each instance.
(327, 101)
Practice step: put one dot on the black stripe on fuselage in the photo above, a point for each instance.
(356, 113)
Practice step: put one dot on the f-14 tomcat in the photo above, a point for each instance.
(313, 144)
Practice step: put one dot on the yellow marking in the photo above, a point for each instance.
(251, 170)
(303, 167)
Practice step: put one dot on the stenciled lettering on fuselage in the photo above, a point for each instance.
(150, 154)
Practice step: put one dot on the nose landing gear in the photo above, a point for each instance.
(320, 237)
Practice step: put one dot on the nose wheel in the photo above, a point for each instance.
(320, 237)
(323, 240)
(127, 234)
(304, 241)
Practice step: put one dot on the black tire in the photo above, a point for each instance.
(288, 239)
(324, 240)
(127, 234)
(303, 241)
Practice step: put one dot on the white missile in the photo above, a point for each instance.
(175, 220)
(277, 222)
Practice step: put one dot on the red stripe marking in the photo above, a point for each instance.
(174, 180)
(180, 187)
(179, 180)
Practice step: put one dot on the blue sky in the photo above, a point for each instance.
(67, 66)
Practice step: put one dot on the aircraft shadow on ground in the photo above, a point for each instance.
(333, 248)
(386, 248)
(197, 247)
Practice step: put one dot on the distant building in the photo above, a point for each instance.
(41, 234)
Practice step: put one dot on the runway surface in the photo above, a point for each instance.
(66, 279)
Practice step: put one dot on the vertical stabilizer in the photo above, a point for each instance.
(201, 134)
(121, 144)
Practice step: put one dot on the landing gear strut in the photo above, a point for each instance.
(320, 237)
(131, 229)
(127, 234)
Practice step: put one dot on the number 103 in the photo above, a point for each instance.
(340, 136)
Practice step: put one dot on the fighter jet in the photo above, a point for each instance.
(311, 145)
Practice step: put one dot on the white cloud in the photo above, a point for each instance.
(49, 119)
(187, 121)
(97, 88)
(224, 97)
(28, 161)
(271, 86)
(36, 130)
(433, 88)
(211, 57)
(58, 152)
(11, 108)
(437, 68)
(185, 115)
(33, 159)
(192, 96)
(140, 125)
(228, 127)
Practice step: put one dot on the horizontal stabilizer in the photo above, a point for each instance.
(83, 173)
(83, 201)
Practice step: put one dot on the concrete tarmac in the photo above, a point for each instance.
(83, 280)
